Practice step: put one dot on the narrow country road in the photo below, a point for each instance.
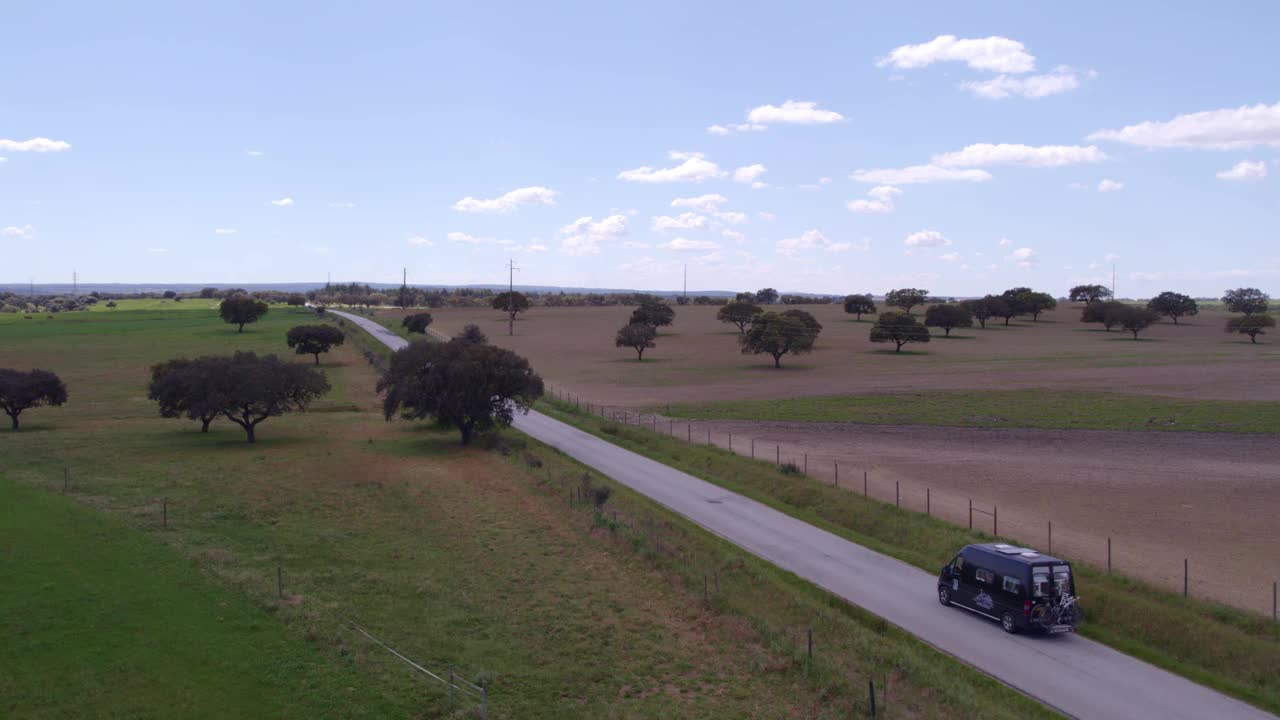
(1078, 677)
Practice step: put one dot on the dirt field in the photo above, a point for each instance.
(1161, 497)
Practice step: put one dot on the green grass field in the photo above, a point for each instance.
(1037, 408)
(1231, 650)
(473, 557)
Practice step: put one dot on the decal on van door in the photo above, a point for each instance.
(984, 601)
(955, 584)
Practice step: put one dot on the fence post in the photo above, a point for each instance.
(928, 502)
(864, 483)
(806, 463)
(753, 448)
(280, 582)
(837, 464)
(1185, 583)
(970, 513)
(688, 433)
(66, 478)
(484, 702)
(1274, 585)
(995, 520)
(730, 442)
(897, 493)
(778, 455)
(1050, 537)
(708, 436)
(810, 643)
(871, 691)
(706, 589)
(1108, 556)
(165, 513)
(452, 685)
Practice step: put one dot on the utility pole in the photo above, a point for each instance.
(511, 296)
(686, 283)
(75, 283)
(328, 280)
(1113, 281)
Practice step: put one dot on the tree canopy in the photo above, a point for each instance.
(1132, 318)
(511, 303)
(653, 311)
(241, 310)
(859, 305)
(1174, 305)
(637, 336)
(766, 296)
(947, 317)
(21, 391)
(899, 328)
(473, 335)
(1249, 301)
(1089, 293)
(1251, 325)
(805, 317)
(465, 385)
(1097, 312)
(314, 339)
(984, 308)
(778, 334)
(417, 322)
(739, 313)
(183, 387)
(906, 298)
(1025, 301)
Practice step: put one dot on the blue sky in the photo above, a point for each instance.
(825, 147)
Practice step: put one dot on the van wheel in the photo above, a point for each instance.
(944, 595)
(1006, 622)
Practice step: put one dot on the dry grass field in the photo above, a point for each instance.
(1051, 421)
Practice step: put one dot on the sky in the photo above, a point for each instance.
(817, 147)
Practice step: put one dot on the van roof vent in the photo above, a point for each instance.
(1004, 549)
(1030, 553)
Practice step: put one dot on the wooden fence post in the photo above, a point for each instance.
(1108, 556)
(928, 502)
(897, 493)
(970, 513)
(837, 464)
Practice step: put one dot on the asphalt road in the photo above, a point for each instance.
(1076, 676)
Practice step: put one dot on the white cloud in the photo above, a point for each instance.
(749, 173)
(1109, 185)
(995, 53)
(693, 168)
(792, 112)
(584, 236)
(342, 205)
(950, 257)
(469, 239)
(37, 145)
(24, 232)
(926, 238)
(157, 250)
(419, 240)
(224, 231)
(731, 217)
(253, 153)
(920, 174)
(1245, 170)
(881, 200)
(1022, 257)
(733, 235)
(532, 247)
(1227, 129)
(1005, 242)
(283, 202)
(1062, 79)
(636, 244)
(808, 240)
(684, 221)
(824, 180)
(759, 185)
(508, 202)
(3, 160)
(766, 216)
(987, 154)
(703, 203)
(686, 245)
(718, 130)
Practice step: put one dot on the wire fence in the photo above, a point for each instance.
(852, 473)
(455, 683)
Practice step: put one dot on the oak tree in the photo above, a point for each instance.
(947, 316)
(899, 328)
(653, 311)
(739, 313)
(1249, 301)
(21, 391)
(183, 387)
(767, 296)
(1174, 305)
(1089, 293)
(637, 336)
(417, 322)
(859, 305)
(1131, 318)
(1251, 325)
(464, 385)
(251, 388)
(778, 334)
(906, 298)
(241, 310)
(314, 339)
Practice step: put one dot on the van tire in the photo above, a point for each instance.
(1008, 623)
(944, 595)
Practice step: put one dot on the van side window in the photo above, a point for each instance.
(984, 576)
(958, 563)
(1013, 585)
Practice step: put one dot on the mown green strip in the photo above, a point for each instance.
(1035, 408)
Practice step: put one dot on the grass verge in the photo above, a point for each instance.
(1034, 408)
(1226, 649)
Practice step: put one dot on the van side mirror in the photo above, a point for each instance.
(946, 570)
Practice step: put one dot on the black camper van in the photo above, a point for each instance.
(1015, 586)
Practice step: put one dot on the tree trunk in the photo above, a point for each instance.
(777, 361)
(248, 429)
(1135, 334)
(14, 417)
(241, 328)
(640, 354)
(900, 344)
(946, 332)
(317, 358)
(204, 423)
(466, 429)
(1006, 320)
(1175, 319)
(983, 323)
(1252, 338)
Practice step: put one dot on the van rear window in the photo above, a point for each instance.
(1040, 581)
